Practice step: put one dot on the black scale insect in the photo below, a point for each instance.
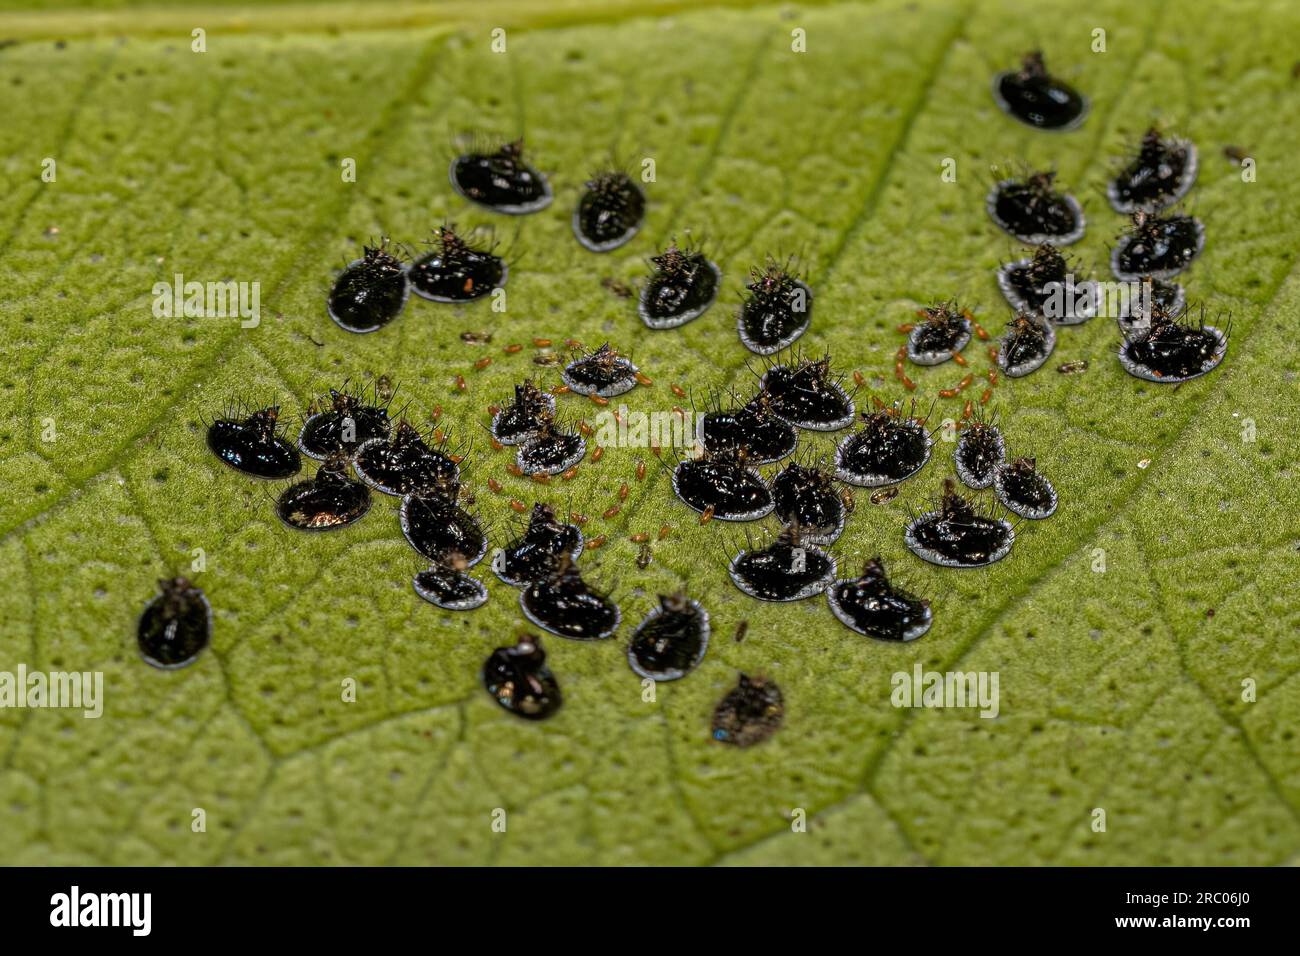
(501, 180)
(1038, 99)
(550, 449)
(1159, 174)
(790, 568)
(750, 713)
(776, 309)
(1033, 211)
(805, 496)
(519, 680)
(958, 534)
(538, 553)
(455, 271)
(370, 292)
(610, 211)
(437, 527)
(1042, 284)
(603, 372)
(331, 500)
(722, 485)
(980, 450)
(944, 329)
(752, 426)
(808, 395)
(565, 604)
(175, 626)
(343, 422)
(671, 640)
(1157, 246)
(519, 419)
(1028, 341)
(446, 585)
(1173, 349)
(1023, 489)
(404, 462)
(682, 286)
(873, 607)
(254, 443)
(889, 448)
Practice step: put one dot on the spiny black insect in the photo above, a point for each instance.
(945, 328)
(550, 450)
(1172, 348)
(1041, 283)
(808, 396)
(682, 286)
(753, 427)
(776, 310)
(788, 569)
(1170, 297)
(610, 212)
(872, 606)
(538, 552)
(1028, 341)
(1037, 98)
(722, 485)
(1021, 487)
(566, 605)
(519, 680)
(1158, 246)
(1033, 211)
(175, 626)
(603, 372)
(333, 499)
(343, 422)
(370, 292)
(980, 450)
(750, 713)
(404, 463)
(454, 271)
(254, 443)
(501, 180)
(446, 585)
(1157, 175)
(520, 418)
(805, 496)
(440, 529)
(959, 535)
(889, 448)
(670, 642)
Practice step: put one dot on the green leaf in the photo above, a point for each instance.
(1119, 690)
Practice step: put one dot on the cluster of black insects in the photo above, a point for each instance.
(349, 431)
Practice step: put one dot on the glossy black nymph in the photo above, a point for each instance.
(342, 422)
(872, 606)
(750, 713)
(454, 271)
(370, 292)
(1172, 349)
(254, 443)
(776, 309)
(753, 427)
(943, 330)
(332, 499)
(788, 569)
(519, 680)
(566, 605)
(1023, 489)
(682, 287)
(175, 626)
(1037, 98)
(723, 486)
(805, 496)
(540, 551)
(501, 180)
(519, 419)
(1159, 174)
(610, 212)
(808, 395)
(958, 534)
(603, 372)
(1157, 246)
(1033, 211)
(889, 448)
(404, 463)
(1028, 341)
(670, 642)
